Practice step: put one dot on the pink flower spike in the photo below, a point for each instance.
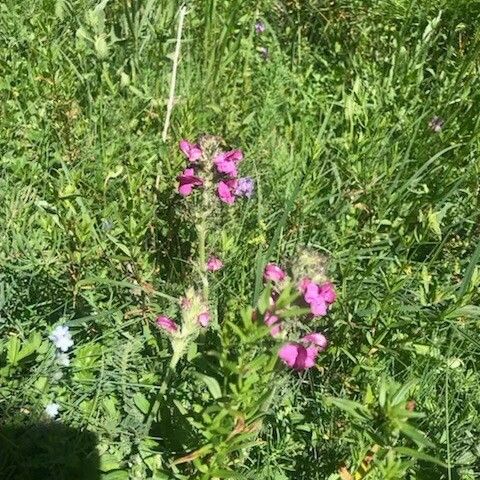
(188, 180)
(204, 319)
(192, 151)
(225, 190)
(273, 273)
(214, 264)
(166, 324)
(327, 291)
(318, 339)
(270, 319)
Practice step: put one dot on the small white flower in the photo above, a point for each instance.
(52, 409)
(57, 375)
(63, 359)
(61, 337)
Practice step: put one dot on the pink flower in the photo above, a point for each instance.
(226, 162)
(226, 189)
(188, 180)
(318, 297)
(318, 339)
(166, 324)
(297, 356)
(192, 151)
(273, 273)
(214, 264)
(204, 319)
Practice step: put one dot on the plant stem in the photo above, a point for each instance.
(173, 81)
(202, 257)
(161, 393)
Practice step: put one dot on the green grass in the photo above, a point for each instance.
(334, 126)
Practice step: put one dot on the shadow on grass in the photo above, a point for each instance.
(47, 451)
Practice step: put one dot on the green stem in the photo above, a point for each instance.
(202, 257)
(161, 393)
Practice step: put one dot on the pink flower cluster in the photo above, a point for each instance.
(299, 355)
(228, 187)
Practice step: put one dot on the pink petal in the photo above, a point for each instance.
(185, 190)
(270, 319)
(166, 324)
(273, 273)
(318, 339)
(288, 353)
(192, 151)
(276, 330)
(227, 167)
(235, 155)
(319, 307)
(327, 291)
(204, 319)
(312, 293)
(225, 193)
(310, 358)
(214, 264)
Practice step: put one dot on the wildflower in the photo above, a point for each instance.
(436, 124)
(296, 356)
(245, 187)
(319, 297)
(214, 264)
(273, 273)
(52, 409)
(264, 53)
(188, 181)
(57, 375)
(225, 190)
(226, 162)
(192, 151)
(63, 359)
(259, 27)
(317, 339)
(166, 324)
(61, 337)
(204, 319)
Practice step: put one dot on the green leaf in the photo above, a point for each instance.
(212, 385)
(409, 452)
(116, 475)
(264, 299)
(469, 311)
(416, 435)
(357, 410)
(13, 347)
(141, 402)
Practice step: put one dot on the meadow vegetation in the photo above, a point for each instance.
(333, 104)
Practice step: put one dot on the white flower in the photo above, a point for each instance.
(57, 375)
(61, 337)
(52, 409)
(63, 359)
